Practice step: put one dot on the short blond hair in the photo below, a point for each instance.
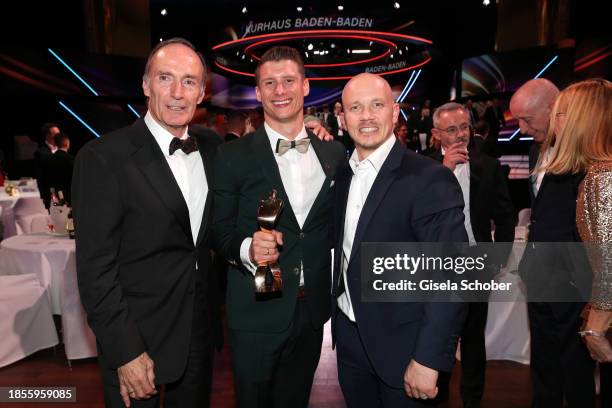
(586, 137)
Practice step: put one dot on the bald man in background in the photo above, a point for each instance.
(561, 368)
(531, 105)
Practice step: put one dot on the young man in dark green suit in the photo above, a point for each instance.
(276, 343)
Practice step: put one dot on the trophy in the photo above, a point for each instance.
(268, 275)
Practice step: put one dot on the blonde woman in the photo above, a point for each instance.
(582, 118)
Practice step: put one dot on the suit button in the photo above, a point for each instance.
(301, 235)
(296, 271)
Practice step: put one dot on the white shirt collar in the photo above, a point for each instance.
(376, 158)
(273, 135)
(161, 135)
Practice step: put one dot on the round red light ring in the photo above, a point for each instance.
(389, 44)
(374, 36)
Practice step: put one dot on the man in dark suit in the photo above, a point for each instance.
(334, 122)
(60, 167)
(336, 128)
(389, 354)
(472, 112)
(494, 115)
(486, 197)
(276, 343)
(561, 368)
(236, 123)
(141, 209)
(478, 139)
(42, 156)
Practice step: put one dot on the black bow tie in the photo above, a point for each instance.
(187, 145)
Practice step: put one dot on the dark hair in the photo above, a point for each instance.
(60, 138)
(175, 40)
(44, 129)
(279, 54)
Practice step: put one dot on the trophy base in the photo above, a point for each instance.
(268, 282)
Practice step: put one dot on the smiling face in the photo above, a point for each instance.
(174, 85)
(281, 89)
(370, 112)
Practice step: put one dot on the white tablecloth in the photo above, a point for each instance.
(7, 204)
(507, 331)
(52, 259)
(26, 323)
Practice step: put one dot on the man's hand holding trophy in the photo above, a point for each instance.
(264, 251)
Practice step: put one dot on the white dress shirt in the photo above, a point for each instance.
(340, 131)
(302, 177)
(188, 171)
(536, 181)
(462, 173)
(364, 174)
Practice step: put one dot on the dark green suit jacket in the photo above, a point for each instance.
(245, 173)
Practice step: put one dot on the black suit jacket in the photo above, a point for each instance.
(230, 136)
(489, 199)
(42, 157)
(60, 167)
(332, 123)
(136, 259)
(553, 219)
(413, 199)
(245, 173)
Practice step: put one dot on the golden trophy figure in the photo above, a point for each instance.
(268, 275)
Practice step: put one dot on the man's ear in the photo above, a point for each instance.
(202, 93)
(396, 112)
(257, 94)
(145, 87)
(306, 86)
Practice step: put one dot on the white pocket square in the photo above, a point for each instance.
(331, 184)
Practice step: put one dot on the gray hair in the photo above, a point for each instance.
(447, 107)
(175, 40)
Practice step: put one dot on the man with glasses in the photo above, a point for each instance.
(486, 197)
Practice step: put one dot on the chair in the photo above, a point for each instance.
(25, 210)
(524, 217)
(26, 323)
(38, 223)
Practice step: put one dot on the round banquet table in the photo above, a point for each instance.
(52, 258)
(47, 255)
